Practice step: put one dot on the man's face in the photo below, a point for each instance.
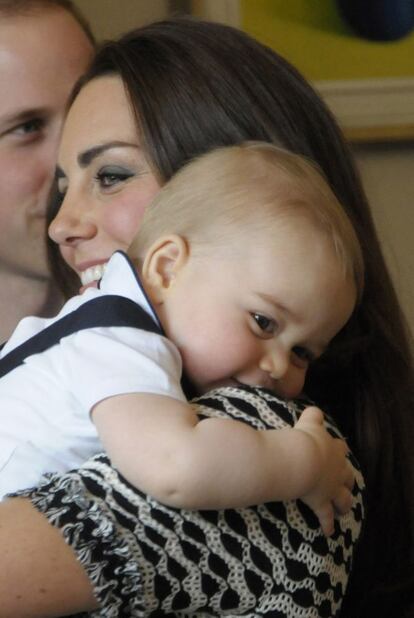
(41, 57)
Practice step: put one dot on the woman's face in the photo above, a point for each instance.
(104, 177)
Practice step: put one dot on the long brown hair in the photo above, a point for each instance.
(198, 85)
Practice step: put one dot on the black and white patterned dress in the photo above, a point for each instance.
(146, 559)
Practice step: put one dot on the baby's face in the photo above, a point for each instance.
(260, 312)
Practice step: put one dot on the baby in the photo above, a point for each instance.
(244, 269)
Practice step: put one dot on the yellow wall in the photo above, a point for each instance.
(110, 18)
(311, 34)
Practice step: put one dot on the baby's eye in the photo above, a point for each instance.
(303, 354)
(112, 176)
(266, 325)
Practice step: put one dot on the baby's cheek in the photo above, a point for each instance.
(207, 365)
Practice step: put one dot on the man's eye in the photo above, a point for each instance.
(303, 354)
(266, 325)
(31, 126)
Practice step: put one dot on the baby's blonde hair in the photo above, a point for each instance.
(243, 189)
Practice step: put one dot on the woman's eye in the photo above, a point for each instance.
(266, 325)
(303, 354)
(109, 177)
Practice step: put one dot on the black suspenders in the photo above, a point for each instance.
(110, 310)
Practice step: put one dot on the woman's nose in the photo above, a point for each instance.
(71, 225)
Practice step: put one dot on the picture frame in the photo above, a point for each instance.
(372, 96)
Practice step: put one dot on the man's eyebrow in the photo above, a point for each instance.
(86, 157)
(24, 115)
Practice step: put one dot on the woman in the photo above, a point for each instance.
(194, 86)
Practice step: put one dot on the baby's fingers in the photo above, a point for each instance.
(342, 446)
(326, 515)
(311, 414)
(343, 501)
(350, 476)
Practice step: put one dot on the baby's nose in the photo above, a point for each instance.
(275, 363)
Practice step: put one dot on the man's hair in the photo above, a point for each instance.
(245, 189)
(11, 8)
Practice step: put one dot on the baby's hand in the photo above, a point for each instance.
(332, 490)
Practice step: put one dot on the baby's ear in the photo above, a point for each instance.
(162, 262)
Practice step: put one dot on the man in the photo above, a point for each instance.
(44, 47)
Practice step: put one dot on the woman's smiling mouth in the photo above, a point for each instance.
(92, 274)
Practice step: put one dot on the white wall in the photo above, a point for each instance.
(388, 175)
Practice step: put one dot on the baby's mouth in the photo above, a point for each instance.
(226, 382)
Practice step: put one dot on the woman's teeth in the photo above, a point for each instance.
(94, 273)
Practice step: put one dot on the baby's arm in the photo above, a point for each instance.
(160, 446)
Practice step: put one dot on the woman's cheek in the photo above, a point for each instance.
(125, 216)
(122, 222)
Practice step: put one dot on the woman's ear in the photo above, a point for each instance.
(162, 262)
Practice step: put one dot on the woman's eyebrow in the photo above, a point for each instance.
(86, 157)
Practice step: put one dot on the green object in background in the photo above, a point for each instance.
(313, 35)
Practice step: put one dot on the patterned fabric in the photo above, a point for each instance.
(145, 559)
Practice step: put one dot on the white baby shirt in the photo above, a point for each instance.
(45, 403)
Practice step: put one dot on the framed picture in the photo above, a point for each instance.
(369, 85)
